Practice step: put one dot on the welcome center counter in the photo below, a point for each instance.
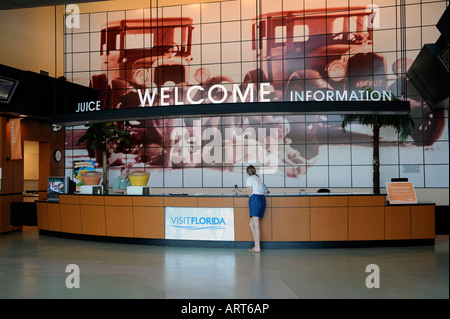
(290, 220)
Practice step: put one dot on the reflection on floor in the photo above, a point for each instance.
(34, 266)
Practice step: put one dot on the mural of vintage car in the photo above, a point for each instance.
(328, 50)
(316, 50)
(139, 54)
(294, 51)
(147, 53)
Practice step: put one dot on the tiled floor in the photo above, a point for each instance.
(34, 266)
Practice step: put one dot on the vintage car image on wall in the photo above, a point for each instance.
(147, 53)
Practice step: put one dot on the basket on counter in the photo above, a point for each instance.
(91, 178)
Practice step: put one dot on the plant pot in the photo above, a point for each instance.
(92, 178)
(139, 178)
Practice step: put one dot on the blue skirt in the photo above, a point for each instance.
(257, 205)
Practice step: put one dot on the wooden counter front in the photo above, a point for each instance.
(313, 218)
(148, 217)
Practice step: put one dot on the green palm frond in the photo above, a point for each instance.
(102, 135)
(402, 124)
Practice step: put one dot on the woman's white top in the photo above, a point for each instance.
(256, 184)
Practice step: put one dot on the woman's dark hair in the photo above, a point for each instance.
(251, 170)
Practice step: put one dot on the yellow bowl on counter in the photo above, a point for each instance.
(139, 178)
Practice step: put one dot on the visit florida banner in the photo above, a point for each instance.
(200, 223)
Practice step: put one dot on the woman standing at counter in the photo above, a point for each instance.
(256, 203)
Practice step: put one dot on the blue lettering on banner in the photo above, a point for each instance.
(199, 223)
(195, 223)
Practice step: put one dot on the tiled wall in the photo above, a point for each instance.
(305, 150)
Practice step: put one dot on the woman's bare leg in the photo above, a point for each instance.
(254, 226)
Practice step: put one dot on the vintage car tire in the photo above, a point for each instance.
(100, 82)
(218, 79)
(118, 90)
(208, 84)
(252, 76)
(428, 125)
(296, 80)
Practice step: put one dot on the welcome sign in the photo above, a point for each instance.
(230, 52)
(199, 223)
(169, 96)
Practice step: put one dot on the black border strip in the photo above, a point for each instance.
(229, 109)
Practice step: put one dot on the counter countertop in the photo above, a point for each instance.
(273, 195)
(232, 195)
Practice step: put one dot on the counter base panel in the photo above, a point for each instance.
(243, 244)
(298, 222)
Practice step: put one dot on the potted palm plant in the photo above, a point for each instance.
(101, 136)
(401, 124)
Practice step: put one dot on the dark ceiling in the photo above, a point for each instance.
(18, 4)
